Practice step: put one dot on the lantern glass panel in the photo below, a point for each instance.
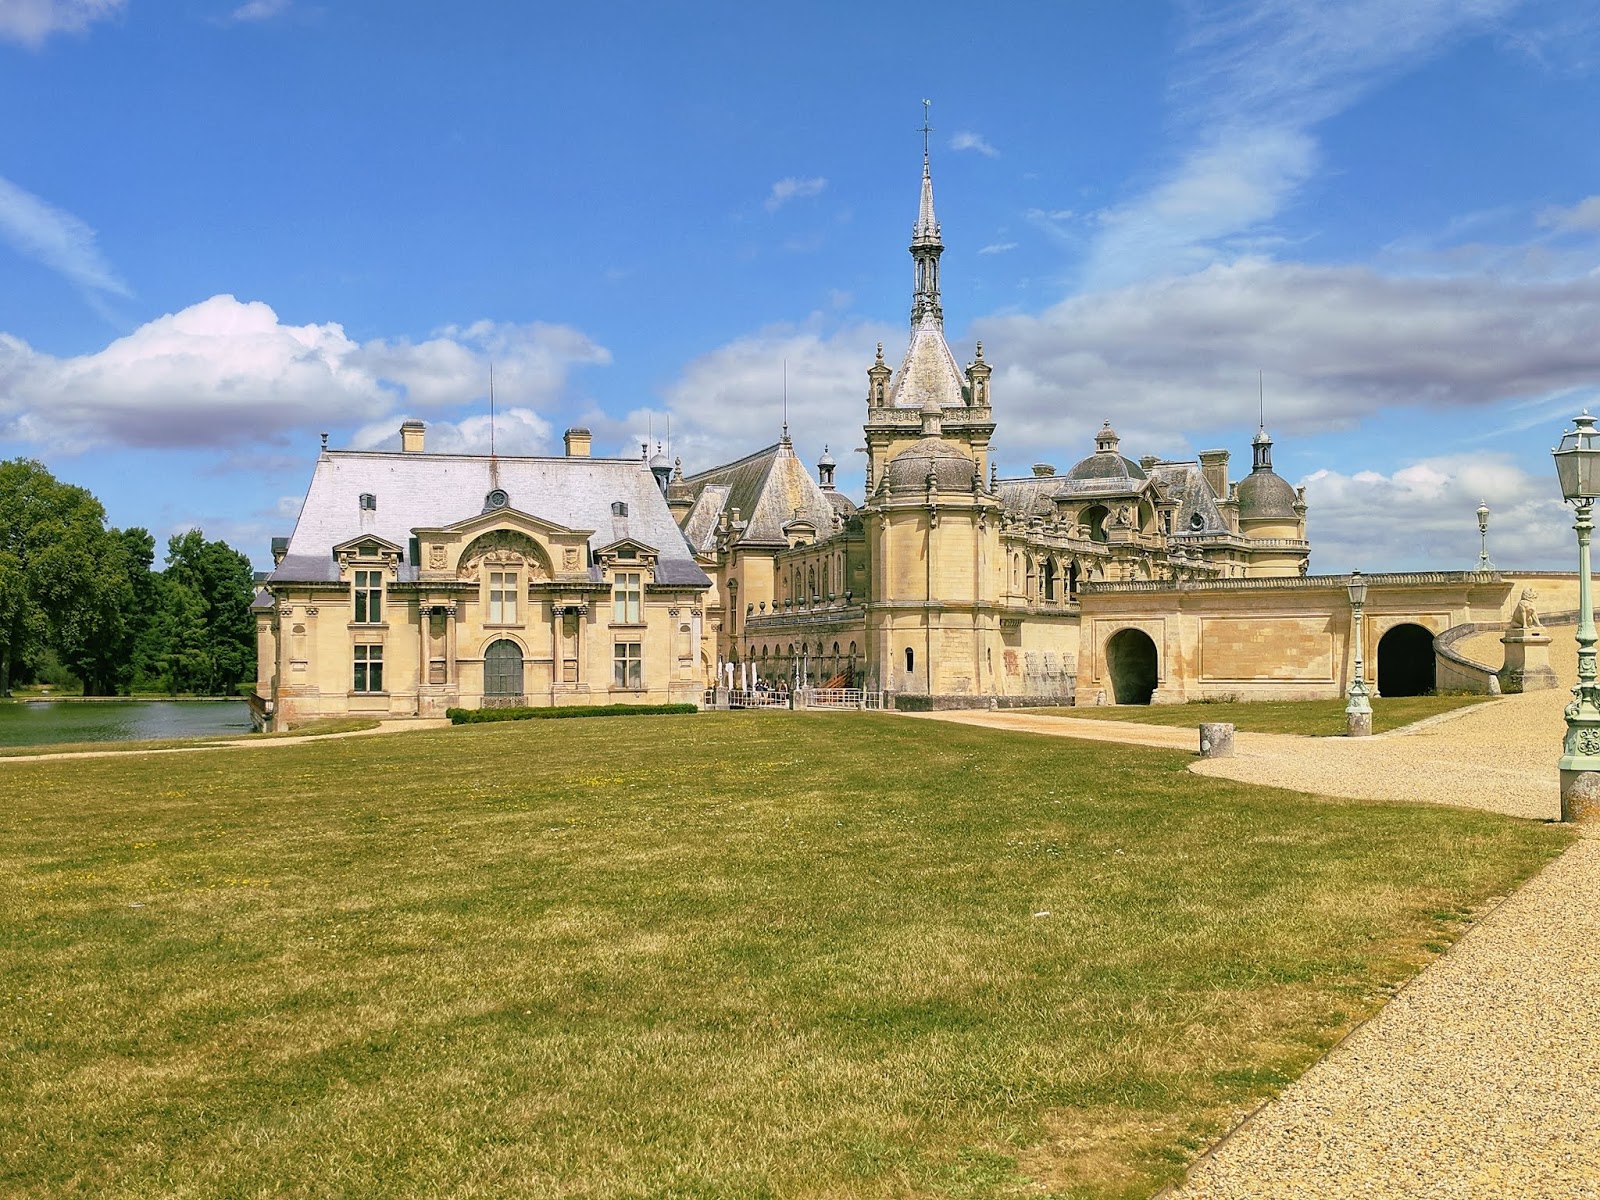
(1358, 589)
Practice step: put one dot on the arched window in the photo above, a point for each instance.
(911, 660)
(1048, 578)
(1072, 578)
(502, 669)
(1095, 519)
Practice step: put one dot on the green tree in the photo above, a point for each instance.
(223, 582)
(60, 577)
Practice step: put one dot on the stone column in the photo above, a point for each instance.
(1527, 661)
(1216, 739)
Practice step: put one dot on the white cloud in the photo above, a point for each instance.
(1583, 216)
(57, 239)
(227, 373)
(516, 430)
(793, 188)
(1423, 517)
(729, 401)
(1259, 76)
(1337, 344)
(967, 140)
(997, 248)
(31, 22)
(260, 10)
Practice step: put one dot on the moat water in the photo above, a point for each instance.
(44, 723)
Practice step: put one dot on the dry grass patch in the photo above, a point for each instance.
(682, 957)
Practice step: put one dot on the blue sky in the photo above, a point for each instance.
(225, 228)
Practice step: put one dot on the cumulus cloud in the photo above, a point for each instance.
(730, 401)
(1422, 517)
(793, 188)
(226, 373)
(1258, 76)
(1336, 344)
(516, 430)
(31, 22)
(967, 140)
(59, 240)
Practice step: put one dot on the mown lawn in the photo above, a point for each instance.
(1316, 718)
(730, 955)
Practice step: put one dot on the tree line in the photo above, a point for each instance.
(81, 597)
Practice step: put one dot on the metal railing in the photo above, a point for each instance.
(760, 698)
(841, 698)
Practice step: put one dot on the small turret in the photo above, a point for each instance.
(825, 468)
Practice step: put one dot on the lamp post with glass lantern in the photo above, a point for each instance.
(1578, 468)
(1358, 712)
(1483, 537)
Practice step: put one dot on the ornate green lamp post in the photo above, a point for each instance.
(1358, 712)
(1578, 467)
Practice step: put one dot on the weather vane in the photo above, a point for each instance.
(926, 128)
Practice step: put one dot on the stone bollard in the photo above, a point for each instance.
(1216, 739)
(1357, 724)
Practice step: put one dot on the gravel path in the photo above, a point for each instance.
(1480, 1079)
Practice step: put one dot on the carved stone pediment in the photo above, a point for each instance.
(504, 549)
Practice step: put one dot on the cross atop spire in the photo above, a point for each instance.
(926, 130)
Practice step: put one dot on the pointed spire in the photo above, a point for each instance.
(926, 245)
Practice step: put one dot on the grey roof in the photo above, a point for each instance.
(1105, 467)
(770, 488)
(929, 376)
(952, 469)
(429, 491)
(1031, 496)
(1264, 493)
(1186, 483)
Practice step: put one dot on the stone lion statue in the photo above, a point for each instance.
(1525, 615)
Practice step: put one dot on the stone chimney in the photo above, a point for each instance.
(1214, 466)
(411, 436)
(577, 441)
(1043, 470)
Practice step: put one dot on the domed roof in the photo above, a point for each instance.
(842, 504)
(1264, 493)
(952, 470)
(1103, 465)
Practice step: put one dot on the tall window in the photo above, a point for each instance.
(502, 598)
(625, 598)
(627, 665)
(369, 669)
(369, 597)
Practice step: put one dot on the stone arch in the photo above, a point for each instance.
(1095, 518)
(503, 663)
(1072, 579)
(504, 548)
(1406, 665)
(1132, 666)
(1047, 579)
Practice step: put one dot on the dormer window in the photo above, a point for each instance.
(496, 499)
(619, 508)
(369, 502)
(1196, 521)
(627, 552)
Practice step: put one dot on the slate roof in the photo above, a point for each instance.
(769, 488)
(929, 376)
(428, 491)
(1186, 483)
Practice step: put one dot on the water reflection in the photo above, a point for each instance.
(38, 724)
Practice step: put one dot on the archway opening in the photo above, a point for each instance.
(1131, 664)
(1405, 661)
(1095, 519)
(502, 669)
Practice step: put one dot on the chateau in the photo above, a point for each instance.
(414, 581)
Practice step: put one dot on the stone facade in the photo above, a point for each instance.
(417, 582)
